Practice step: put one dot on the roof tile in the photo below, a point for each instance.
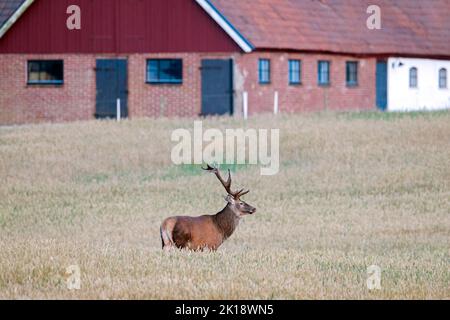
(412, 27)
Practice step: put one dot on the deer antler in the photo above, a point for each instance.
(226, 184)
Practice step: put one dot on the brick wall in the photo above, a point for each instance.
(156, 100)
(308, 96)
(75, 100)
(22, 103)
(160, 100)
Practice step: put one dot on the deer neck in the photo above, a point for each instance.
(226, 221)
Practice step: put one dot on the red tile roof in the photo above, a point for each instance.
(409, 27)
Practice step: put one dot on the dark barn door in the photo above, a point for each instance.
(111, 75)
(381, 87)
(217, 87)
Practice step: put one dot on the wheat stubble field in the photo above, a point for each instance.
(354, 189)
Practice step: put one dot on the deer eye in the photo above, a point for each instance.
(241, 203)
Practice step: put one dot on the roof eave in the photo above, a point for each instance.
(362, 54)
(222, 21)
(14, 17)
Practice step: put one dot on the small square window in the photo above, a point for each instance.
(165, 71)
(46, 72)
(295, 72)
(323, 70)
(352, 73)
(264, 71)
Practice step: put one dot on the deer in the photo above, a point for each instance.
(206, 232)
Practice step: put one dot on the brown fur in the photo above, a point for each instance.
(199, 233)
(226, 222)
(208, 231)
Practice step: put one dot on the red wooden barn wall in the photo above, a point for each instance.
(117, 26)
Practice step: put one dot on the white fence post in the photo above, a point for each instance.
(275, 103)
(245, 104)
(119, 116)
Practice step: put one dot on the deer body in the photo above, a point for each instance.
(198, 233)
(207, 231)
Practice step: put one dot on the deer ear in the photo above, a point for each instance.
(229, 199)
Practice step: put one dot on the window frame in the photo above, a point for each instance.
(320, 73)
(159, 80)
(348, 73)
(443, 80)
(291, 73)
(415, 77)
(262, 70)
(44, 82)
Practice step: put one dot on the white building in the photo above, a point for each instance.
(417, 84)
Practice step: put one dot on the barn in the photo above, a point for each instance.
(64, 60)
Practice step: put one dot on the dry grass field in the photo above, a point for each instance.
(354, 189)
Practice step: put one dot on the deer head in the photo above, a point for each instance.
(239, 207)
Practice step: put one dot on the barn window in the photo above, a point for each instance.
(323, 73)
(45, 72)
(165, 71)
(295, 72)
(443, 78)
(264, 71)
(413, 77)
(352, 73)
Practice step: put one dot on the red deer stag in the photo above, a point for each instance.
(208, 231)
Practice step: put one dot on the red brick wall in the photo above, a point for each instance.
(308, 96)
(156, 100)
(75, 100)
(22, 103)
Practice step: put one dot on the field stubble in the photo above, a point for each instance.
(353, 190)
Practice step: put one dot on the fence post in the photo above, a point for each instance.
(119, 116)
(275, 103)
(245, 104)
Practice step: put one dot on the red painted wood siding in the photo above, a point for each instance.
(117, 26)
